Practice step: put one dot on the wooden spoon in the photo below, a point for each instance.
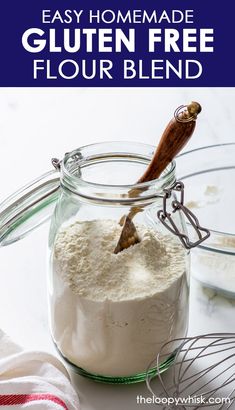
(174, 138)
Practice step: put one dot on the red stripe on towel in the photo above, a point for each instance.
(14, 399)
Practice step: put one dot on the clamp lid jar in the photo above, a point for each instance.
(109, 314)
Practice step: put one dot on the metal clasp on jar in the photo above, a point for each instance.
(178, 205)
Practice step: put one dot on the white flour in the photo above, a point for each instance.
(111, 313)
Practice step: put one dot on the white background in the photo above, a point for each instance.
(37, 124)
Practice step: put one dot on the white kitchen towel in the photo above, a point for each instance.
(33, 380)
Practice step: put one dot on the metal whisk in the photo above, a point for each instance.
(202, 374)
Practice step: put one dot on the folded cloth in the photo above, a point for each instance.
(33, 380)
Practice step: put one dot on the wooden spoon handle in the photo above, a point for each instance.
(176, 135)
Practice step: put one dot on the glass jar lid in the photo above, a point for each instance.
(29, 207)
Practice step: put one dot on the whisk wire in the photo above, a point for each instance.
(188, 382)
(203, 349)
(203, 373)
(206, 371)
(207, 354)
(232, 399)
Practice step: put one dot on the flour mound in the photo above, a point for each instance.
(84, 257)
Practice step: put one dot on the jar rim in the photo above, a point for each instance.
(33, 204)
(68, 176)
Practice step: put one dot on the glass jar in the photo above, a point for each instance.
(109, 313)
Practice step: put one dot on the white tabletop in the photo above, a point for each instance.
(37, 124)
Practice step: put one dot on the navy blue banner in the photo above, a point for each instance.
(82, 43)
